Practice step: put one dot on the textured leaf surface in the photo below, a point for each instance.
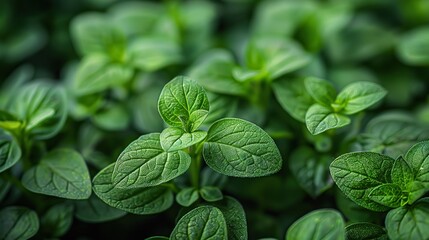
(179, 99)
(144, 163)
(418, 159)
(409, 222)
(239, 148)
(319, 224)
(321, 90)
(357, 174)
(211, 194)
(205, 222)
(173, 138)
(18, 223)
(359, 96)
(136, 200)
(402, 174)
(187, 196)
(94, 210)
(10, 152)
(61, 173)
(320, 119)
(368, 231)
(235, 218)
(388, 194)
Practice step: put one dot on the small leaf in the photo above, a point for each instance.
(293, 97)
(409, 222)
(187, 196)
(211, 194)
(179, 99)
(144, 163)
(205, 222)
(359, 96)
(61, 173)
(359, 231)
(318, 224)
(389, 195)
(402, 174)
(320, 119)
(94, 210)
(358, 173)
(134, 200)
(57, 220)
(173, 138)
(239, 148)
(321, 90)
(418, 159)
(235, 217)
(18, 223)
(10, 152)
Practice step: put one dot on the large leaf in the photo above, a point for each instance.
(358, 173)
(42, 106)
(136, 200)
(183, 103)
(144, 163)
(409, 222)
(94, 210)
(320, 119)
(10, 152)
(202, 223)
(319, 224)
(61, 173)
(239, 148)
(18, 223)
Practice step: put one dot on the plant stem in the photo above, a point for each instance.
(195, 153)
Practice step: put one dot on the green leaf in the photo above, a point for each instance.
(94, 33)
(320, 119)
(388, 194)
(358, 173)
(321, 90)
(409, 222)
(221, 106)
(42, 106)
(187, 196)
(415, 190)
(206, 72)
(94, 210)
(174, 138)
(369, 231)
(113, 117)
(18, 223)
(235, 217)
(61, 173)
(4, 188)
(10, 152)
(211, 194)
(9, 122)
(57, 220)
(412, 47)
(311, 170)
(318, 224)
(153, 53)
(235, 147)
(179, 99)
(293, 97)
(359, 96)
(96, 73)
(144, 163)
(205, 222)
(134, 200)
(402, 174)
(418, 160)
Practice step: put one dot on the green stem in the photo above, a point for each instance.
(195, 153)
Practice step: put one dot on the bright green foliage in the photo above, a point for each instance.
(402, 174)
(387, 194)
(320, 119)
(136, 200)
(319, 224)
(61, 173)
(10, 153)
(57, 220)
(417, 158)
(18, 223)
(174, 138)
(409, 222)
(183, 103)
(94, 210)
(204, 222)
(235, 147)
(358, 231)
(144, 163)
(322, 91)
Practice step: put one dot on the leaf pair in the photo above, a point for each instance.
(378, 182)
(330, 109)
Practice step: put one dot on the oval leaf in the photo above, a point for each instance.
(61, 173)
(136, 200)
(187, 196)
(205, 222)
(173, 138)
(235, 147)
(211, 194)
(18, 223)
(321, 90)
(359, 231)
(179, 99)
(388, 194)
(319, 224)
(320, 119)
(10, 152)
(144, 163)
(418, 159)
